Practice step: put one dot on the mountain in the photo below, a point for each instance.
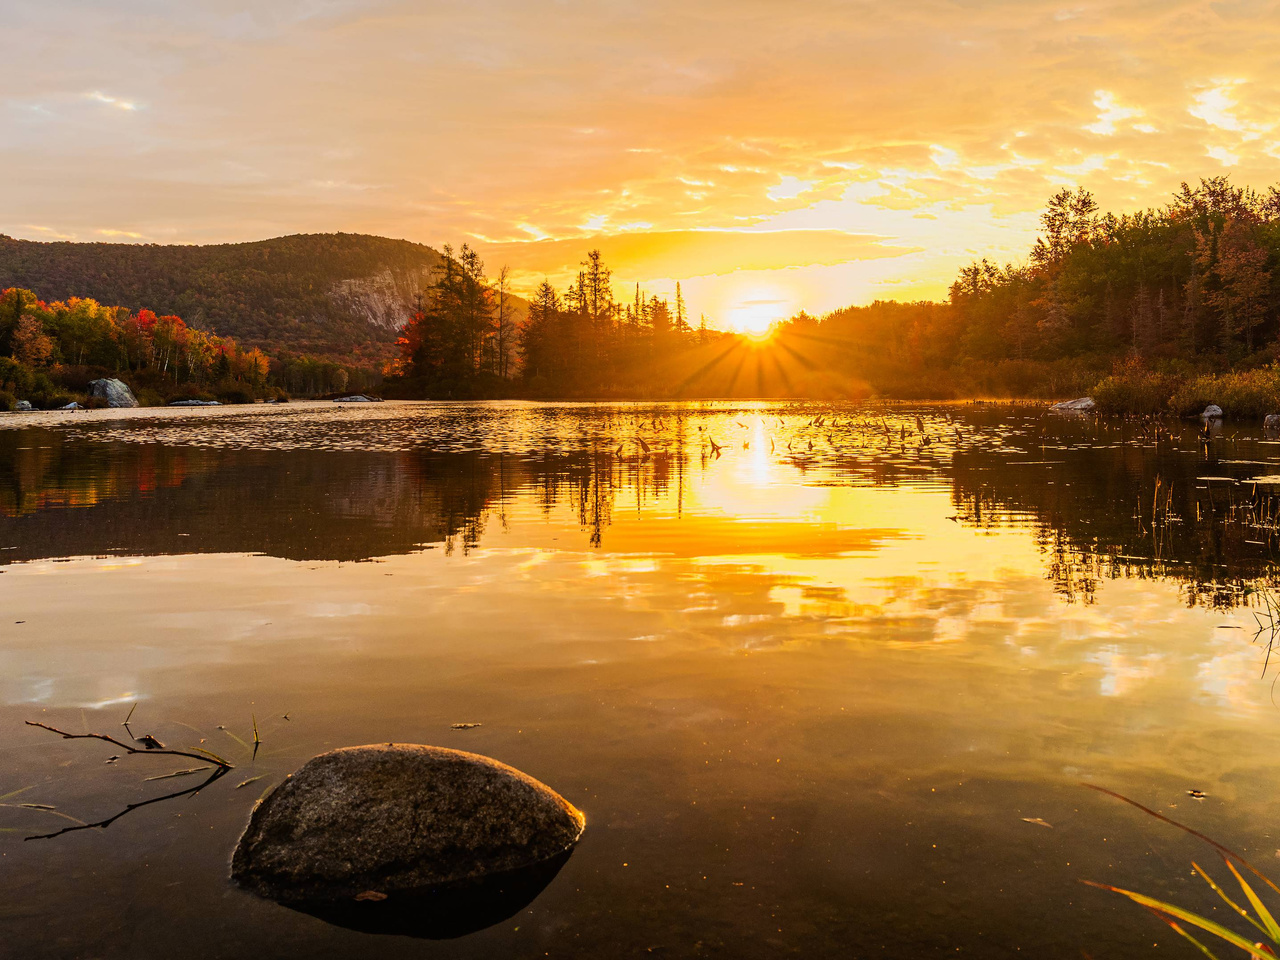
(340, 295)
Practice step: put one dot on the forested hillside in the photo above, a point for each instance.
(1155, 300)
(343, 296)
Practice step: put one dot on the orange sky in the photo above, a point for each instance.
(769, 155)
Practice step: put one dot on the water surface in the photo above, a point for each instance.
(821, 688)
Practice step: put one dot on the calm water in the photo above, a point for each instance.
(811, 692)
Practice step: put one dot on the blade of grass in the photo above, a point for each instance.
(235, 738)
(211, 755)
(1217, 929)
(130, 716)
(43, 808)
(1225, 851)
(1272, 928)
(1177, 928)
(14, 793)
(256, 739)
(1223, 894)
(176, 773)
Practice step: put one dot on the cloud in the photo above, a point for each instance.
(116, 102)
(1110, 113)
(941, 128)
(645, 256)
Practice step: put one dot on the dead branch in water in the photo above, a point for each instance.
(218, 773)
(154, 751)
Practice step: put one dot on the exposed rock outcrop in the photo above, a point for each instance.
(379, 821)
(115, 392)
(1082, 405)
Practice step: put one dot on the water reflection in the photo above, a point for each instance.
(816, 692)
(1103, 500)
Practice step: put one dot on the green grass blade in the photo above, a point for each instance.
(14, 793)
(1231, 903)
(235, 738)
(1272, 928)
(1205, 924)
(1177, 928)
(212, 756)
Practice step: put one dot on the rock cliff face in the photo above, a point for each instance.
(384, 300)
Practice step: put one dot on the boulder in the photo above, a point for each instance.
(388, 820)
(72, 406)
(24, 406)
(115, 392)
(1272, 423)
(358, 398)
(195, 403)
(1083, 405)
(1212, 412)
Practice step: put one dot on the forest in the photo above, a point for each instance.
(50, 351)
(340, 296)
(1160, 310)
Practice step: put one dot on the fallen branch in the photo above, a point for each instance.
(155, 751)
(103, 824)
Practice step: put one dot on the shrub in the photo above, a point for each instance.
(8, 401)
(1243, 393)
(234, 395)
(1134, 389)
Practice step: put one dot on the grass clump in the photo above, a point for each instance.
(1133, 388)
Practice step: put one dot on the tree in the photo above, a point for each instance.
(504, 325)
(30, 344)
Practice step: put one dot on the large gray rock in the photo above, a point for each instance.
(24, 406)
(1083, 405)
(383, 819)
(1272, 423)
(115, 392)
(1212, 412)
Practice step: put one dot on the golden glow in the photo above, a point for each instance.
(843, 178)
(757, 311)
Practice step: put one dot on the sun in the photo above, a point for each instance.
(757, 311)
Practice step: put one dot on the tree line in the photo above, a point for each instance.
(49, 352)
(1190, 287)
(464, 338)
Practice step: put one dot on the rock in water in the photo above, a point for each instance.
(398, 818)
(1212, 412)
(1272, 423)
(1083, 405)
(115, 392)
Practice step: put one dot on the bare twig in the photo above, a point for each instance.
(217, 774)
(154, 751)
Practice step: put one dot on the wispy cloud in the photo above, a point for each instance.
(118, 103)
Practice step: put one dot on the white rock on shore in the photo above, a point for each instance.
(115, 392)
(1082, 405)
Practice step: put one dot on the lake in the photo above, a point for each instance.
(822, 688)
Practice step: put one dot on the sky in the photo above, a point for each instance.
(769, 156)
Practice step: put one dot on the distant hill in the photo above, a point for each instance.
(330, 294)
